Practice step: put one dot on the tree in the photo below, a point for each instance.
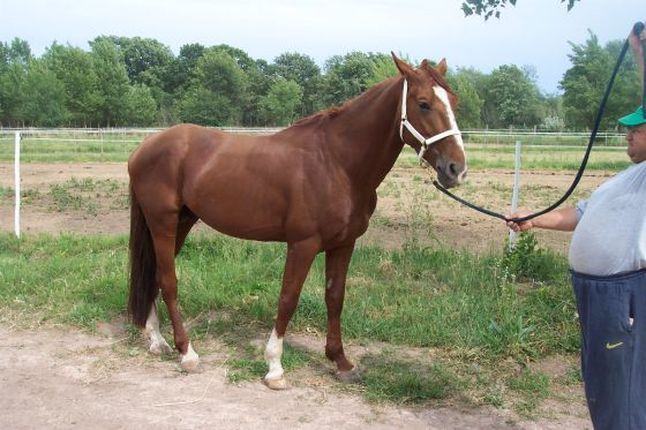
(147, 62)
(258, 82)
(302, 70)
(216, 94)
(584, 83)
(346, 77)
(384, 68)
(182, 69)
(141, 107)
(201, 106)
(280, 105)
(14, 60)
(479, 81)
(112, 81)
(553, 118)
(512, 98)
(43, 97)
(489, 8)
(145, 59)
(242, 59)
(470, 104)
(74, 68)
(19, 52)
(219, 72)
(12, 83)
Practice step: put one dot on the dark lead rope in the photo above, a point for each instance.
(637, 29)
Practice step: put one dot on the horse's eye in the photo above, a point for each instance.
(424, 106)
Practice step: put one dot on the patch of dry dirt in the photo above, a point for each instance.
(61, 379)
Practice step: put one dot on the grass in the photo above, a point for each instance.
(466, 306)
(531, 387)
(407, 381)
(73, 148)
(84, 195)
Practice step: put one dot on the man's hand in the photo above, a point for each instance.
(523, 226)
(635, 43)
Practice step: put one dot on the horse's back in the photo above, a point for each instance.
(168, 146)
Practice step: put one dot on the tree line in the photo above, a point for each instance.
(124, 81)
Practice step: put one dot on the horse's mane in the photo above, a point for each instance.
(335, 111)
(319, 116)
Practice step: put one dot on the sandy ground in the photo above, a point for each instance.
(60, 378)
(57, 378)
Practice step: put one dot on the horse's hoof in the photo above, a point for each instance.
(191, 366)
(160, 348)
(352, 376)
(277, 384)
(190, 361)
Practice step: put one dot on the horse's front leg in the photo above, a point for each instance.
(299, 260)
(336, 269)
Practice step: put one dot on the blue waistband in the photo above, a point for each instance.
(616, 277)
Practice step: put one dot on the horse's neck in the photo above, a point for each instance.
(364, 136)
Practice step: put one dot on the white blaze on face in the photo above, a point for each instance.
(273, 353)
(444, 98)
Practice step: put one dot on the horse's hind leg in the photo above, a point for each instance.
(164, 234)
(336, 269)
(158, 344)
(187, 220)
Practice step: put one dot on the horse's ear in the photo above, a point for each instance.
(403, 67)
(442, 67)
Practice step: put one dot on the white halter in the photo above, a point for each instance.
(426, 143)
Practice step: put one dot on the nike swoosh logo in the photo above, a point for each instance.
(613, 345)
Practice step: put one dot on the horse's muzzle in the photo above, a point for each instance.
(450, 173)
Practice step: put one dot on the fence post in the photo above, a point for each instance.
(16, 158)
(516, 190)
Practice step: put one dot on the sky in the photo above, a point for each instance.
(535, 33)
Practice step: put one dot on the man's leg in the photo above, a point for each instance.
(607, 348)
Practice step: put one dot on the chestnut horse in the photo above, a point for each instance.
(312, 185)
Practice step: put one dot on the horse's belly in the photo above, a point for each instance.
(265, 230)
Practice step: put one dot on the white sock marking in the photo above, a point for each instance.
(273, 353)
(190, 355)
(158, 344)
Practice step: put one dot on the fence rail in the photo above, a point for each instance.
(484, 136)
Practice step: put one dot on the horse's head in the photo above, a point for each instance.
(428, 122)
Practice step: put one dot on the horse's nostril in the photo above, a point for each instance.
(453, 170)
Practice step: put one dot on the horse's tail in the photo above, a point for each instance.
(143, 290)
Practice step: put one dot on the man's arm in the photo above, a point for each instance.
(561, 219)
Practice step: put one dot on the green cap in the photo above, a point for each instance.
(633, 119)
